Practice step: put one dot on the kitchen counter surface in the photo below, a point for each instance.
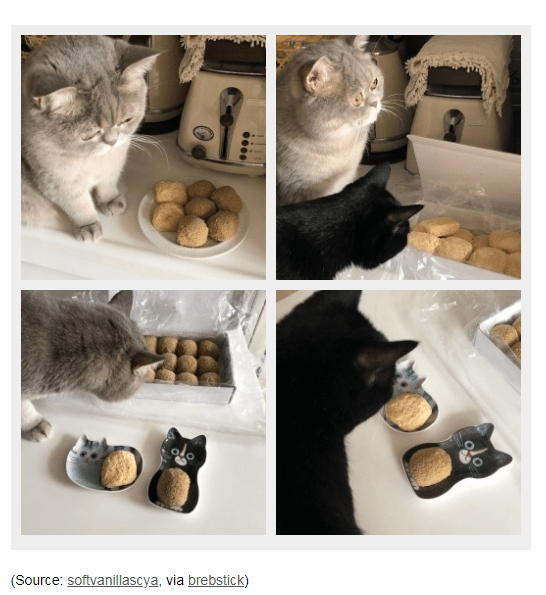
(469, 390)
(124, 252)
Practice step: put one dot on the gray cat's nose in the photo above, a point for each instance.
(110, 138)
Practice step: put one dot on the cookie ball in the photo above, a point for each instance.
(187, 347)
(210, 378)
(165, 375)
(491, 259)
(187, 378)
(506, 333)
(223, 225)
(170, 191)
(167, 215)
(186, 363)
(201, 207)
(428, 466)
(201, 189)
(464, 234)
(192, 231)
(208, 347)
(423, 241)
(441, 226)
(419, 227)
(516, 348)
(226, 199)
(508, 241)
(167, 345)
(150, 375)
(455, 248)
(173, 487)
(517, 325)
(480, 242)
(513, 265)
(169, 363)
(119, 468)
(205, 363)
(151, 343)
(408, 411)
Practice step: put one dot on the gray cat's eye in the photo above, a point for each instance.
(374, 84)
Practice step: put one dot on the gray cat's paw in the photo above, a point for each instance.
(89, 233)
(40, 432)
(114, 207)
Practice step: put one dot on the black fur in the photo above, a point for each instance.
(362, 225)
(334, 370)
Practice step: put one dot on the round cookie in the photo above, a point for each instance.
(167, 215)
(408, 411)
(201, 207)
(186, 363)
(170, 191)
(192, 231)
(151, 343)
(205, 363)
(173, 487)
(428, 466)
(423, 241)
(226, 199)
(119, 468)
(201, 189)
(187, 347)
(491, 259)
(517, 325)
(464, 234)
(208, 347)
(150, 375)
(440, 226)
(187, 378)
(506, 333)
(167, 345)
(453, 247)
(165, 375)
(516, 348)
(169, 363)
(513, 265)
(508, 241)
(480, 242)
(223, 225)
(210, 378)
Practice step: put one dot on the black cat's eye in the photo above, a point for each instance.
(374, 84)
(175, 451)
(477, 462)
(190, 456)
(469, 445)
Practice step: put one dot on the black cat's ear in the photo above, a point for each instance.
(380, 174)
(199, 441)
(401, 214)
(349, 299)
(52, 91)
(486, 430)
(173, 433)
(502, 458)
(317, 77)
(142, 361)
(122, 301)
(378, 357)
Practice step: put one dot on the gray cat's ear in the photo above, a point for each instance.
(134, 61)
(317, 78)
(142, 361)
(377, 358)
(359, 42)
(52, 91)
(122, 301)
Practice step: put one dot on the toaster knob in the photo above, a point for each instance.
(198, 152)
(226, 119)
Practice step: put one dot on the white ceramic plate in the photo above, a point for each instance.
(166, 241)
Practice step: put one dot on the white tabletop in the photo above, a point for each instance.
(463, 383)
(125, 253)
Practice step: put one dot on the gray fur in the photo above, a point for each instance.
(82, 98)
(321, 134)
(71, 345)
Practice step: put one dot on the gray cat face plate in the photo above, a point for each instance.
(85, 459)
(409, 382)
(472, 454)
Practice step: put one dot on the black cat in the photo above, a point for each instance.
(362, 225)
(334, 370)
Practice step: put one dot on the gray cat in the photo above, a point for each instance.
(69, 345)
(328, 96)
(82, 98)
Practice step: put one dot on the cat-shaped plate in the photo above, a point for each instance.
(472, 455)
(166, 241)
(85, 459)
(184, 455)
(408, 381)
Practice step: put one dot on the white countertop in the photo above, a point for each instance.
(463, 383)
(124, 253)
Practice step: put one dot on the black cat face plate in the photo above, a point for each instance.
(472, 455)
(85, 459)
(184, 457)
